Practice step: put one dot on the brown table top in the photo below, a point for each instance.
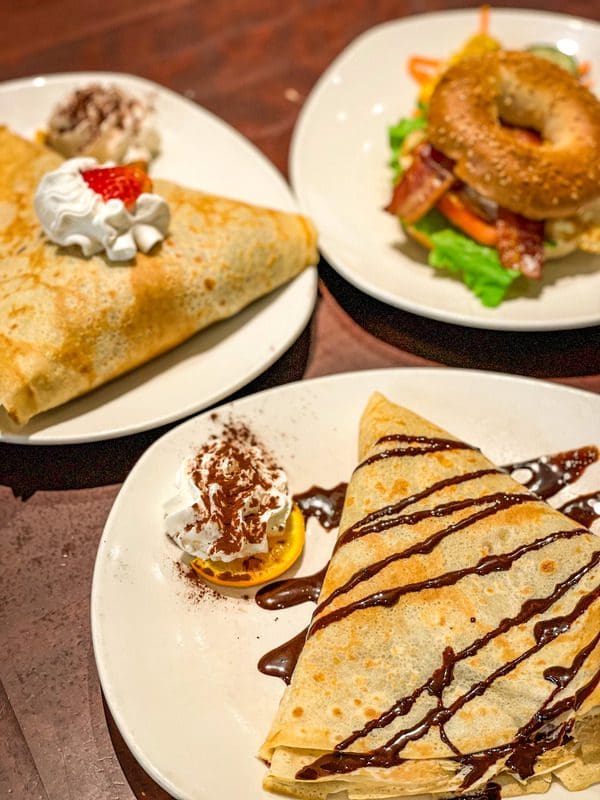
(237, 59)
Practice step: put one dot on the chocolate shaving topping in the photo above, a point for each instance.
(235, 476)
(95, 104)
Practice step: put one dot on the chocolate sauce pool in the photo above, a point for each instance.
(325, 505)
(547, 475)
(281, 661)
(291, 591)
(584, 509)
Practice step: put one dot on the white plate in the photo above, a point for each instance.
(339, 172)
(180, 677)
(201, 151)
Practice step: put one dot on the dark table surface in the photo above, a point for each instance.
(239, 59)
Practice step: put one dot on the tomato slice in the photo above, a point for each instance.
(457, 212)
(284, 551)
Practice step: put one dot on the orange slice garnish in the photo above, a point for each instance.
(284, 550)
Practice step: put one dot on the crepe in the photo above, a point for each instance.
(69, 323)
(455, 647)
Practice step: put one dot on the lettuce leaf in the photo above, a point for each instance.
(433, 222)
(397, 135)
(477, 265)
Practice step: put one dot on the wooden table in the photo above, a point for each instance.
(252, 62)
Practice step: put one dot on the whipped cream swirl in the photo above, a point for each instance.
(71, 213)
(230, 497)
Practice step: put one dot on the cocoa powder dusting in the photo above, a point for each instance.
(227, 470)
(196, 590)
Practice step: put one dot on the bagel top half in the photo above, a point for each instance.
(540, 181)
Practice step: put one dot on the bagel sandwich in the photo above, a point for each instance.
(500, 171)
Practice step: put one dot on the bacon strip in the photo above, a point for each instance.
(520, 243)
(422, 185)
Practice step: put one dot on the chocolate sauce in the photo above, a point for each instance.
(291, 591)
(549, 474)
(443, 510)
(522, 759)
(497, 502)
(442, 677)
(522, 748)
(491, 791)
(584, 509)
(325, 505)
(388, 511)
(431, 445)
(281, 661)
(387, 598)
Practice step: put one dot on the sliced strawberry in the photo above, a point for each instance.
(124, 183)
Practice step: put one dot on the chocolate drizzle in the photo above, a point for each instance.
(281, 661)
(442, 677)
(291, 591)
(384, 518)
(497, 502)
(431, 445)
(584, 509)
(548, 475)
(491, 791)
(388, 754)
(525, 748)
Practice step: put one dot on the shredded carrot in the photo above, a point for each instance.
(584, 68)
(422, 69)
(484, 20)
(426, 61)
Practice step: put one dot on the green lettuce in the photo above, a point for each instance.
(397, 135)
(477, 265)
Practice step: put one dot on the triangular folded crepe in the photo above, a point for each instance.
(69, 324)
(455, 646)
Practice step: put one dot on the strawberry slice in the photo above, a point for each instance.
(124, 183)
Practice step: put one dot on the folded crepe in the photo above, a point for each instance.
(69, 323)
(455, 647)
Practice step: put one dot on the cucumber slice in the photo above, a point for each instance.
(551, 53)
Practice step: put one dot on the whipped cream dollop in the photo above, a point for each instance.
(71, 213)
(106, 123)
(230, 497)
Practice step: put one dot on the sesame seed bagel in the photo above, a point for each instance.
(540, 181)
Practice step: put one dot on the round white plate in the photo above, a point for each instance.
(179, 674)
(339, 172)
(201, 151)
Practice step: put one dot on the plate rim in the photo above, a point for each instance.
(340, 265)
(308, 276)
(175, 432)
